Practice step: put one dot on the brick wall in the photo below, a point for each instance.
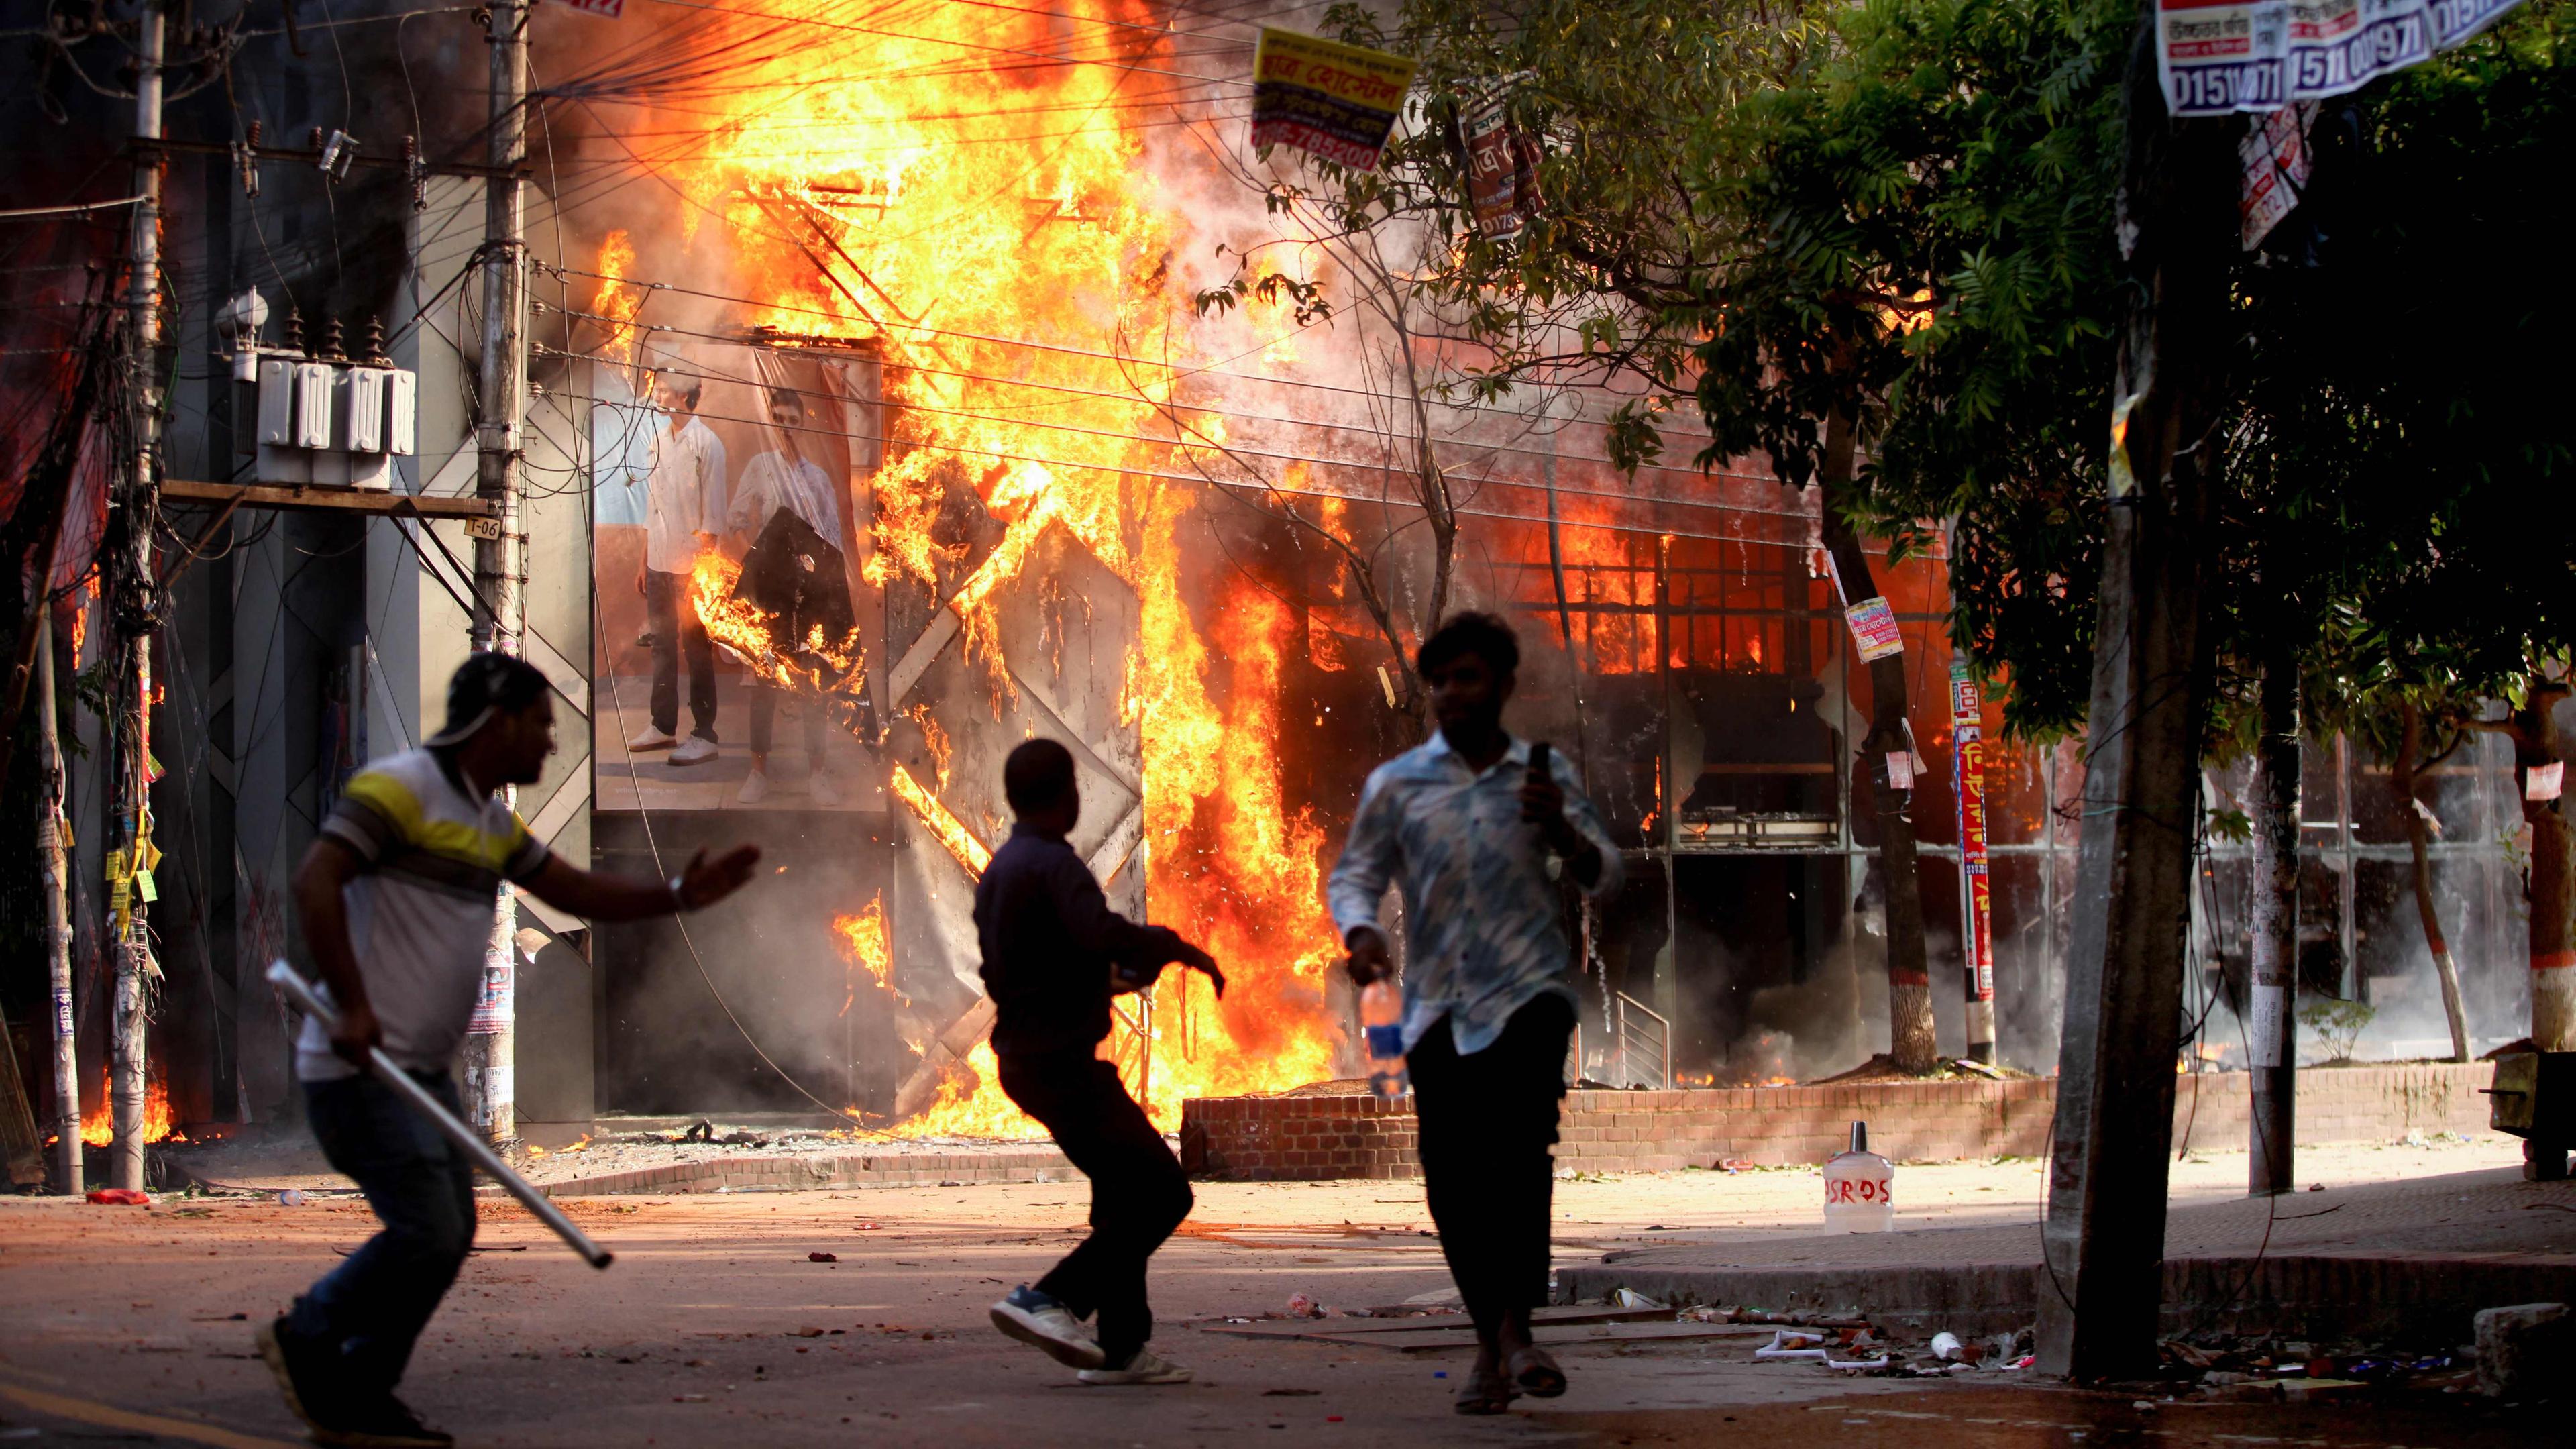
(1266, 1138)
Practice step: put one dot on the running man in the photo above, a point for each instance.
(1464, 827)
(396, 897)
(1054, 954)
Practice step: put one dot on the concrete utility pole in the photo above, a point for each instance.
(500, 562)
(2271, 1037)
(131, 605)
(2105, 1233)
(58, 916)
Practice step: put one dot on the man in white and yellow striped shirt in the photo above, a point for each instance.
(397, 896)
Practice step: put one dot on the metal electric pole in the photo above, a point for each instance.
(131, 608)
(2271, 1037)
(500, 560)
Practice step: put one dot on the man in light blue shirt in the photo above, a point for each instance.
(1465, 826)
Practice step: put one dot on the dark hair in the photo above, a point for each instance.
(1483, 635)
(786, 397)
(487, 684)
(1038, 774)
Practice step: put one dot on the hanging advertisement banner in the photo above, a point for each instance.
(1873, 626)
(2218, 56)
(1331, 100)
(1502, 178)
(1968, 779)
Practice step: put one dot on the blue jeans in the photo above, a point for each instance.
(373, 1306)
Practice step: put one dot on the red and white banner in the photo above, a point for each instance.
(1968, 778)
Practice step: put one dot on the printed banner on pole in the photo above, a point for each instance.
(2218, 56)
(1335, 101)
(2277, 161)
(1968, 781)
(1502, 176)
(1873, 626)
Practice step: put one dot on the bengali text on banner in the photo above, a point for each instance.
(2218, 56)
(1332, 100)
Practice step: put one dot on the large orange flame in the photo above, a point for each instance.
(952, 832)
(984, 208)
(864, 943)
(98, 1128)
(615, 300)
(744, 629)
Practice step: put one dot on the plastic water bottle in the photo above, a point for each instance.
(1859, 1188)
(1382, 1020)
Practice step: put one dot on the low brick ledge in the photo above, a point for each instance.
(1319, 1137)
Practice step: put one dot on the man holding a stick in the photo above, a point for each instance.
(1464, 825)
(397, 897)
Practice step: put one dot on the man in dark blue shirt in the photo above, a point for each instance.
(1054, 954)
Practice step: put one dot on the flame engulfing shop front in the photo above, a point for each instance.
(962, 264)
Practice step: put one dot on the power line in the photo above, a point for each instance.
(1021, 342)
(1307, 458)
(1206, 480)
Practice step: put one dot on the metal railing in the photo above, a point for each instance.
(1636, 1049)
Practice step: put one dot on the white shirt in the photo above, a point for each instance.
(686, 496)
(433, 854)
(779, 480)
(1484, 928)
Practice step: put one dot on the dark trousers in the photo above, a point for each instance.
(764, 722)
(373, 1306)
(677, 631)
(1138, 1192)
(1486, 1123)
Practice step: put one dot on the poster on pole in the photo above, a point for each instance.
(1502, 174)
(2218, 56)
(1334, 101)
(1968, 780)
(1874, 631)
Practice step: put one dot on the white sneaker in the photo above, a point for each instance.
(755, 788)
(1147, 1367)
(1038, 1319)
(825, 792)
(650, 739)
(695, 750)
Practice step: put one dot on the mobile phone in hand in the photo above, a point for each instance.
(1538, 770)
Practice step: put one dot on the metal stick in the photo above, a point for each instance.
(467, 1141)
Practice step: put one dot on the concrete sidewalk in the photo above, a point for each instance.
(2404, 1261)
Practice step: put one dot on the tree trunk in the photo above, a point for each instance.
(2401, 774)
(1909, 979)
(2553, 876)
(2270, 1032)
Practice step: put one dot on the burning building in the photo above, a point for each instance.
(967, 253)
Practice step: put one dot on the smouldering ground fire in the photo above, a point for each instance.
(913, 210)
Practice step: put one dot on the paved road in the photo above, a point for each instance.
(714, 1328)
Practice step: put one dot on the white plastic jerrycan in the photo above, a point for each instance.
(1859, 1188)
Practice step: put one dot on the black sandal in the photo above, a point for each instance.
(1536, 1374)
(1485, 1392)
